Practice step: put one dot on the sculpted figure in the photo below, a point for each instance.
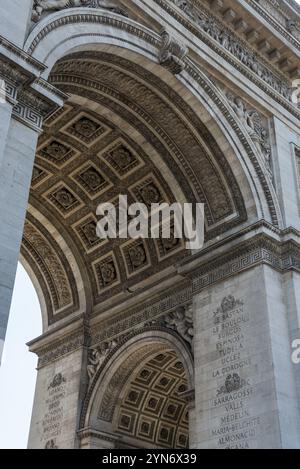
(40, 6)
(253, 123)
(98, 356)
(181, 320)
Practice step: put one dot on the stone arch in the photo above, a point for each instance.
(56, 36)
(183, 135)
(154, 351)
(53, 269)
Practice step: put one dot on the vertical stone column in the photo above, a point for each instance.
(287, 176)
(15, 175)
(291, 288)
(27, 100)
(15, 20)
(244, 380)
(90, 439)
(5, 117)
(61, 383)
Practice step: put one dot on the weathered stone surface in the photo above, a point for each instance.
(146, 343)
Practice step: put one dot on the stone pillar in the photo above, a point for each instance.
(287, 172)
(245, 383)
(27, 100)
(5, 117)
(15, 176)
(60, 386)
(15, 20)
(291, 288)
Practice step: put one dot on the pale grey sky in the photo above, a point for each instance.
(17, 371)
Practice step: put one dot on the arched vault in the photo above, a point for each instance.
(129, 127)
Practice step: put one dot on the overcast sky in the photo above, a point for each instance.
(17, 371)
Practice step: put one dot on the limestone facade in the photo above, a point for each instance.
(146, 344)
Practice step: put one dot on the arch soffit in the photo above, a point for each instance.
(66, 31)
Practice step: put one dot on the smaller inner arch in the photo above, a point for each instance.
(153, 411)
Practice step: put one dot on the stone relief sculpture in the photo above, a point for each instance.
(51, 445)
(254, 125)
(98, 356)
(232, 44)
(181, 320)
(172, 53)
(41, 6)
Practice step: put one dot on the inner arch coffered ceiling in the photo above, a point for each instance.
(127, 129)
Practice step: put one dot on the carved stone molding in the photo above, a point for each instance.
(213, 33)
(32, 98)
(50, 264)
(256, 126)
(111, 333)
(180, 320)
(273, 83)
(90, 434)
(51, 346)
(42, 7)
(172, 53)
(281, 14)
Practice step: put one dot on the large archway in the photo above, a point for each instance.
(139, 398)
(129, 126)
(140, 119)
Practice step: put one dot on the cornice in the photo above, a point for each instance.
(32, 98)
(94, 434)
(274, 23)
(58, 342)
(277, 85)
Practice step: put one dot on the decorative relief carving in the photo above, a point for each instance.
(227, 40)
(113, 390)
(92, 180)
(122, 159)
(38, 175)
(107, 272)
(97, 357)
(253, 122)
(148, 191)
(86, 229)
(52, 267)
(56, 152)
(172, 53)
(56, 350)
(64, 199)
(51, 445)
(135, 256)
(85, 129)
(293, 26)
(181, 320)
(227, 305)
(232, 383)
(281, 12)
(156, 390)
(57, 381)
(43, 6)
